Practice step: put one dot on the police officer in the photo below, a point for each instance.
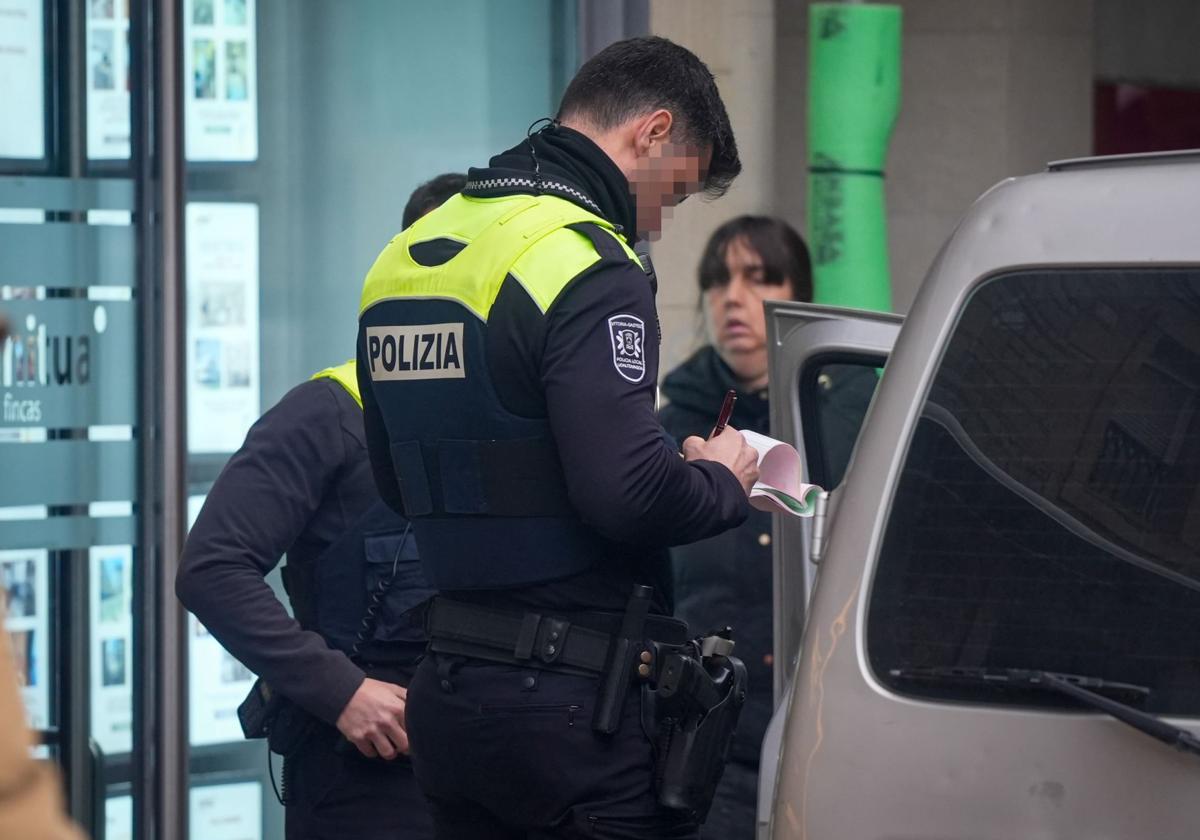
(508, 354)
(301, 485)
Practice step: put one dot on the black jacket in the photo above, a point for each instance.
(299, 481)
(726, 579)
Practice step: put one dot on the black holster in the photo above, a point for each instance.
(694, 711)
(268, 714)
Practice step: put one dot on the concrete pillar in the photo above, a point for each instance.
(737, 42)
(601, 22)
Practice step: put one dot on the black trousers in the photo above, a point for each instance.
(508, 753)
(336, 793)
(734, 812)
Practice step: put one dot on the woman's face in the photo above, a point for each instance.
(736, 320)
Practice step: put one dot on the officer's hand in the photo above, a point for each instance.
(373, 720)
(728, 448)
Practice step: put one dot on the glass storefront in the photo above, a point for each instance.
(289, 203)
(72, 549)
(299, 130)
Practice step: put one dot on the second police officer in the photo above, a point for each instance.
(331, 697)
(508, 355)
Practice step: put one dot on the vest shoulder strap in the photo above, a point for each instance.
(506, 242)
(346, 375)
(546, 269)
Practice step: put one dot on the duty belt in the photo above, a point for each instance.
(692, 691)
(578, 643)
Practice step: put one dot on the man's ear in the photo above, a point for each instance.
(653, 130)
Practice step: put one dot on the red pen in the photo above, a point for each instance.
(726, 413)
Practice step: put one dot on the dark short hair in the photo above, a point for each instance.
(432, 194)
(639, 75)
(783, 252)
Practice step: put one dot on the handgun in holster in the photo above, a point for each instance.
(692, 696)
(694, 707)
(267, 714)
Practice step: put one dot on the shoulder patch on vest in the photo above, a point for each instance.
(628, 334)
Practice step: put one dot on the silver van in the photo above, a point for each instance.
(991, 630)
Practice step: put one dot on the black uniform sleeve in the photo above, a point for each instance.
(378, 443)
(599, 370)
(259, 505)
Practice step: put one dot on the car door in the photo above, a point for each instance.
(824, 364)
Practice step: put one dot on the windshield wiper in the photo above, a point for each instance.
(1083, 689)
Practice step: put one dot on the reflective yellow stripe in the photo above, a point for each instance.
(346, 375)
(523, 234)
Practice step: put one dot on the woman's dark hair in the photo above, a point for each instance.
(783, 252)
(639, 75)
(433, 193)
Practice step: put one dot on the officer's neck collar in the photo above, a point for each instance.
(567, 159)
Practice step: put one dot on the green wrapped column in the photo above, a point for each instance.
(853, 99)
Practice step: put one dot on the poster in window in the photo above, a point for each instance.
(220, 80)
(226, 812)
(118, 817)
(194, 504)
(217, 681)
(112, 646)
(23, 69)
(217, 684)
(107, 73)
(222, 342)
(24, 586)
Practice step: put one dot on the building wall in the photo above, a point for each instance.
(737, 42)
(1148, 43)
(991, 88)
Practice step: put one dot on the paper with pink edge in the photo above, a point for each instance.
(779, 488)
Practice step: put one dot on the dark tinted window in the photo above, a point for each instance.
(836, 401)
(1048, 514)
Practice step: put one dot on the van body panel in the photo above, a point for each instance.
(860, 761)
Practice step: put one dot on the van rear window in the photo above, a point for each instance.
(1048, 513)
